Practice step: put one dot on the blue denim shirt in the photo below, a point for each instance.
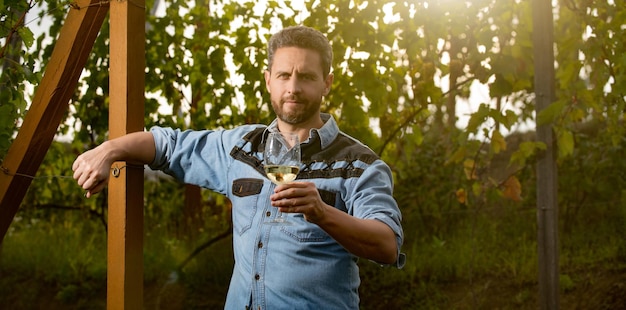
(285, 267)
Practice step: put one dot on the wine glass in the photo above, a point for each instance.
(281, 161)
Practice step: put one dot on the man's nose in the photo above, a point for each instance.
(293, 86)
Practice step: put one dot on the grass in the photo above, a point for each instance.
(71, 251)
(490, 261)
(487, 260)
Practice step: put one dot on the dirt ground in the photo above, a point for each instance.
(589, 290)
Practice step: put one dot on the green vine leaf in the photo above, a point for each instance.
(27, 36)
(551, 113)
(565, 142)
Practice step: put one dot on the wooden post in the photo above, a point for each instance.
(547, 206)
(126, 111)
(49, 105)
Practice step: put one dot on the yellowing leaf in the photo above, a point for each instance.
(498, 144)
(461, 196)
(470, 169)
(477, 189)
(513, 189)
(457, 156)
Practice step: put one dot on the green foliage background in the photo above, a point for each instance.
(467, 193)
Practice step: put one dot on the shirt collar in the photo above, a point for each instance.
(326, 134)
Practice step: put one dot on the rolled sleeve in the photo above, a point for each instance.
(192, 157)
(373, 199)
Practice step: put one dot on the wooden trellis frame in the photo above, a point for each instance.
(126, 111)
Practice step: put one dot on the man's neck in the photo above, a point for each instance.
(302, 129)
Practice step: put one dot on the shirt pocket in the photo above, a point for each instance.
(303, 231)
(245, 198)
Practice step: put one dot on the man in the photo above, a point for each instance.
(341, 202)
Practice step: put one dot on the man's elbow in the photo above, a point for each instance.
(387, 254)
(391, 256)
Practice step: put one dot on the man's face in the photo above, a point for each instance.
(296, 84)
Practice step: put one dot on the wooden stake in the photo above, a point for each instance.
(547, 206)
(127, 83)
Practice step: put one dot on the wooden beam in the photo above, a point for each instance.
(49, 105)
(126, 111)
(547, 199)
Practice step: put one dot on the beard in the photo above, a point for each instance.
(305, 111)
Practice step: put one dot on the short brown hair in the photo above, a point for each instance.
(303, 37)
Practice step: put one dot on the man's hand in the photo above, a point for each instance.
(300, 197)
(91, 170)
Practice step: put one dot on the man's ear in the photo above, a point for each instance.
(329, 83)
(268, 76)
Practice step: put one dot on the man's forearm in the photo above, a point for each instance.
(369, 239)
(136, 147)
(91, 169)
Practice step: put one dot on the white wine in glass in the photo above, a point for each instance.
(281, 174)
(281, 161)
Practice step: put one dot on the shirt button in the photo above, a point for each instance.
(268, 213)
(260, 245)
(257, 276)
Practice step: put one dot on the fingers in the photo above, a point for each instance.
(85, 177)
(96, 189)
(93, 186)
(294, 188)
(290, 190)
(294, 197)
(91, 178)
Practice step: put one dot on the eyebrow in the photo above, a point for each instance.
(299, 73)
